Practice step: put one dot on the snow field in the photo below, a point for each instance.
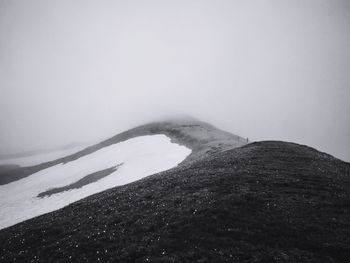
(140, 157)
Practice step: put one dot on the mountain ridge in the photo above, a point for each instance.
(199, 136)
(264, 202)
(268, 201)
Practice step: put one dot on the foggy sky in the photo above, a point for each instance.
(81, 71)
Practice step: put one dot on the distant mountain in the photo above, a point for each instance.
(33, 158)
(38, 152)
(202, 138)
(227, 201)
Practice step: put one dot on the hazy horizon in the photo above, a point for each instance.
(82, 71)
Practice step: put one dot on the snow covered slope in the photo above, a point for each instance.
(124, 162)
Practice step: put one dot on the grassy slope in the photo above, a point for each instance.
(199, 136)
(264, 202)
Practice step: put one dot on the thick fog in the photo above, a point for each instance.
(81, 71)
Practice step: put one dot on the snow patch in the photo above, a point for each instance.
(141, 156)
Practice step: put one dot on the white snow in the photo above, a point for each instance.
(41, 158)
(141, 156)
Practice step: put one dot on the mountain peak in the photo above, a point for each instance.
(201, 137)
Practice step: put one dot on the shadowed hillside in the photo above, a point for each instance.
(264, 202)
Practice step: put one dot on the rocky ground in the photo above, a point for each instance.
(263, 202)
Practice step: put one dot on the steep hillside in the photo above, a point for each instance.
(62, 184)
(202, 138)
(263, 202)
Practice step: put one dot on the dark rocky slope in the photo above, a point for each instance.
(201, 137)
(263, 202)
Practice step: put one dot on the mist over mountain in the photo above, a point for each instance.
(77, 71)
(175, 131)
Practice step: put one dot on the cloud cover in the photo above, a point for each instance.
(86, 70)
